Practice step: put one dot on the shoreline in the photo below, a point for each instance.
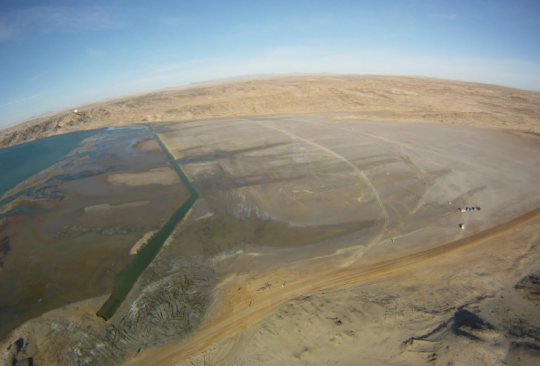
(127, 278)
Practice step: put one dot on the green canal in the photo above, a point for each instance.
(130, 274)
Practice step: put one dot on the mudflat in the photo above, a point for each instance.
(400, 231)
(412, 181)
(68, 230)
(341, 233)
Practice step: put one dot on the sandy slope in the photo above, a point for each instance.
(283, 316)
(392, 97)
(248, 309)
(456, 309)
(416, 301)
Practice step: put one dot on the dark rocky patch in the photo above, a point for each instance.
(529, 287)
(526, 345)
(523, 353)
(19, 353)
(5, 248)
(524, 330)
(438, 329)
(465, 321)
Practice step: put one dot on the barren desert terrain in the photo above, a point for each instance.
(338, 220)
(394, 98)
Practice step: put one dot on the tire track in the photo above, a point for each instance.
(261, 303)
(361, 174)
(406, 160)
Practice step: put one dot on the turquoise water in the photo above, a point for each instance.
(130, 274)
(18, 163)
(21, 162)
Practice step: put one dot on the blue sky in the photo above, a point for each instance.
(58, 54)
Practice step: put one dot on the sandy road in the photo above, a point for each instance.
(250, 309)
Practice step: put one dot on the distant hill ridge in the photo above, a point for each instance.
(373, 97)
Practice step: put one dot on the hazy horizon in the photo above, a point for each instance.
(62, 53)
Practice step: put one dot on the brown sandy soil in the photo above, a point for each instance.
(162, 176)
(106, 207)
(404, 177)
(78, 229)
(73, 315)
(457, 307)
(147, 145)
(334, 238)
(141, 242)
(401, 311)
(295, 206)
(391, 97)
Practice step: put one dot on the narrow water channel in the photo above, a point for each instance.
(130, 274)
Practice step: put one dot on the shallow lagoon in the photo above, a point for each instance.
(127, 277)
(68, 229)
(18, 163)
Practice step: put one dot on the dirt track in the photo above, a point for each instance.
(253, 308)
(283, 197)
